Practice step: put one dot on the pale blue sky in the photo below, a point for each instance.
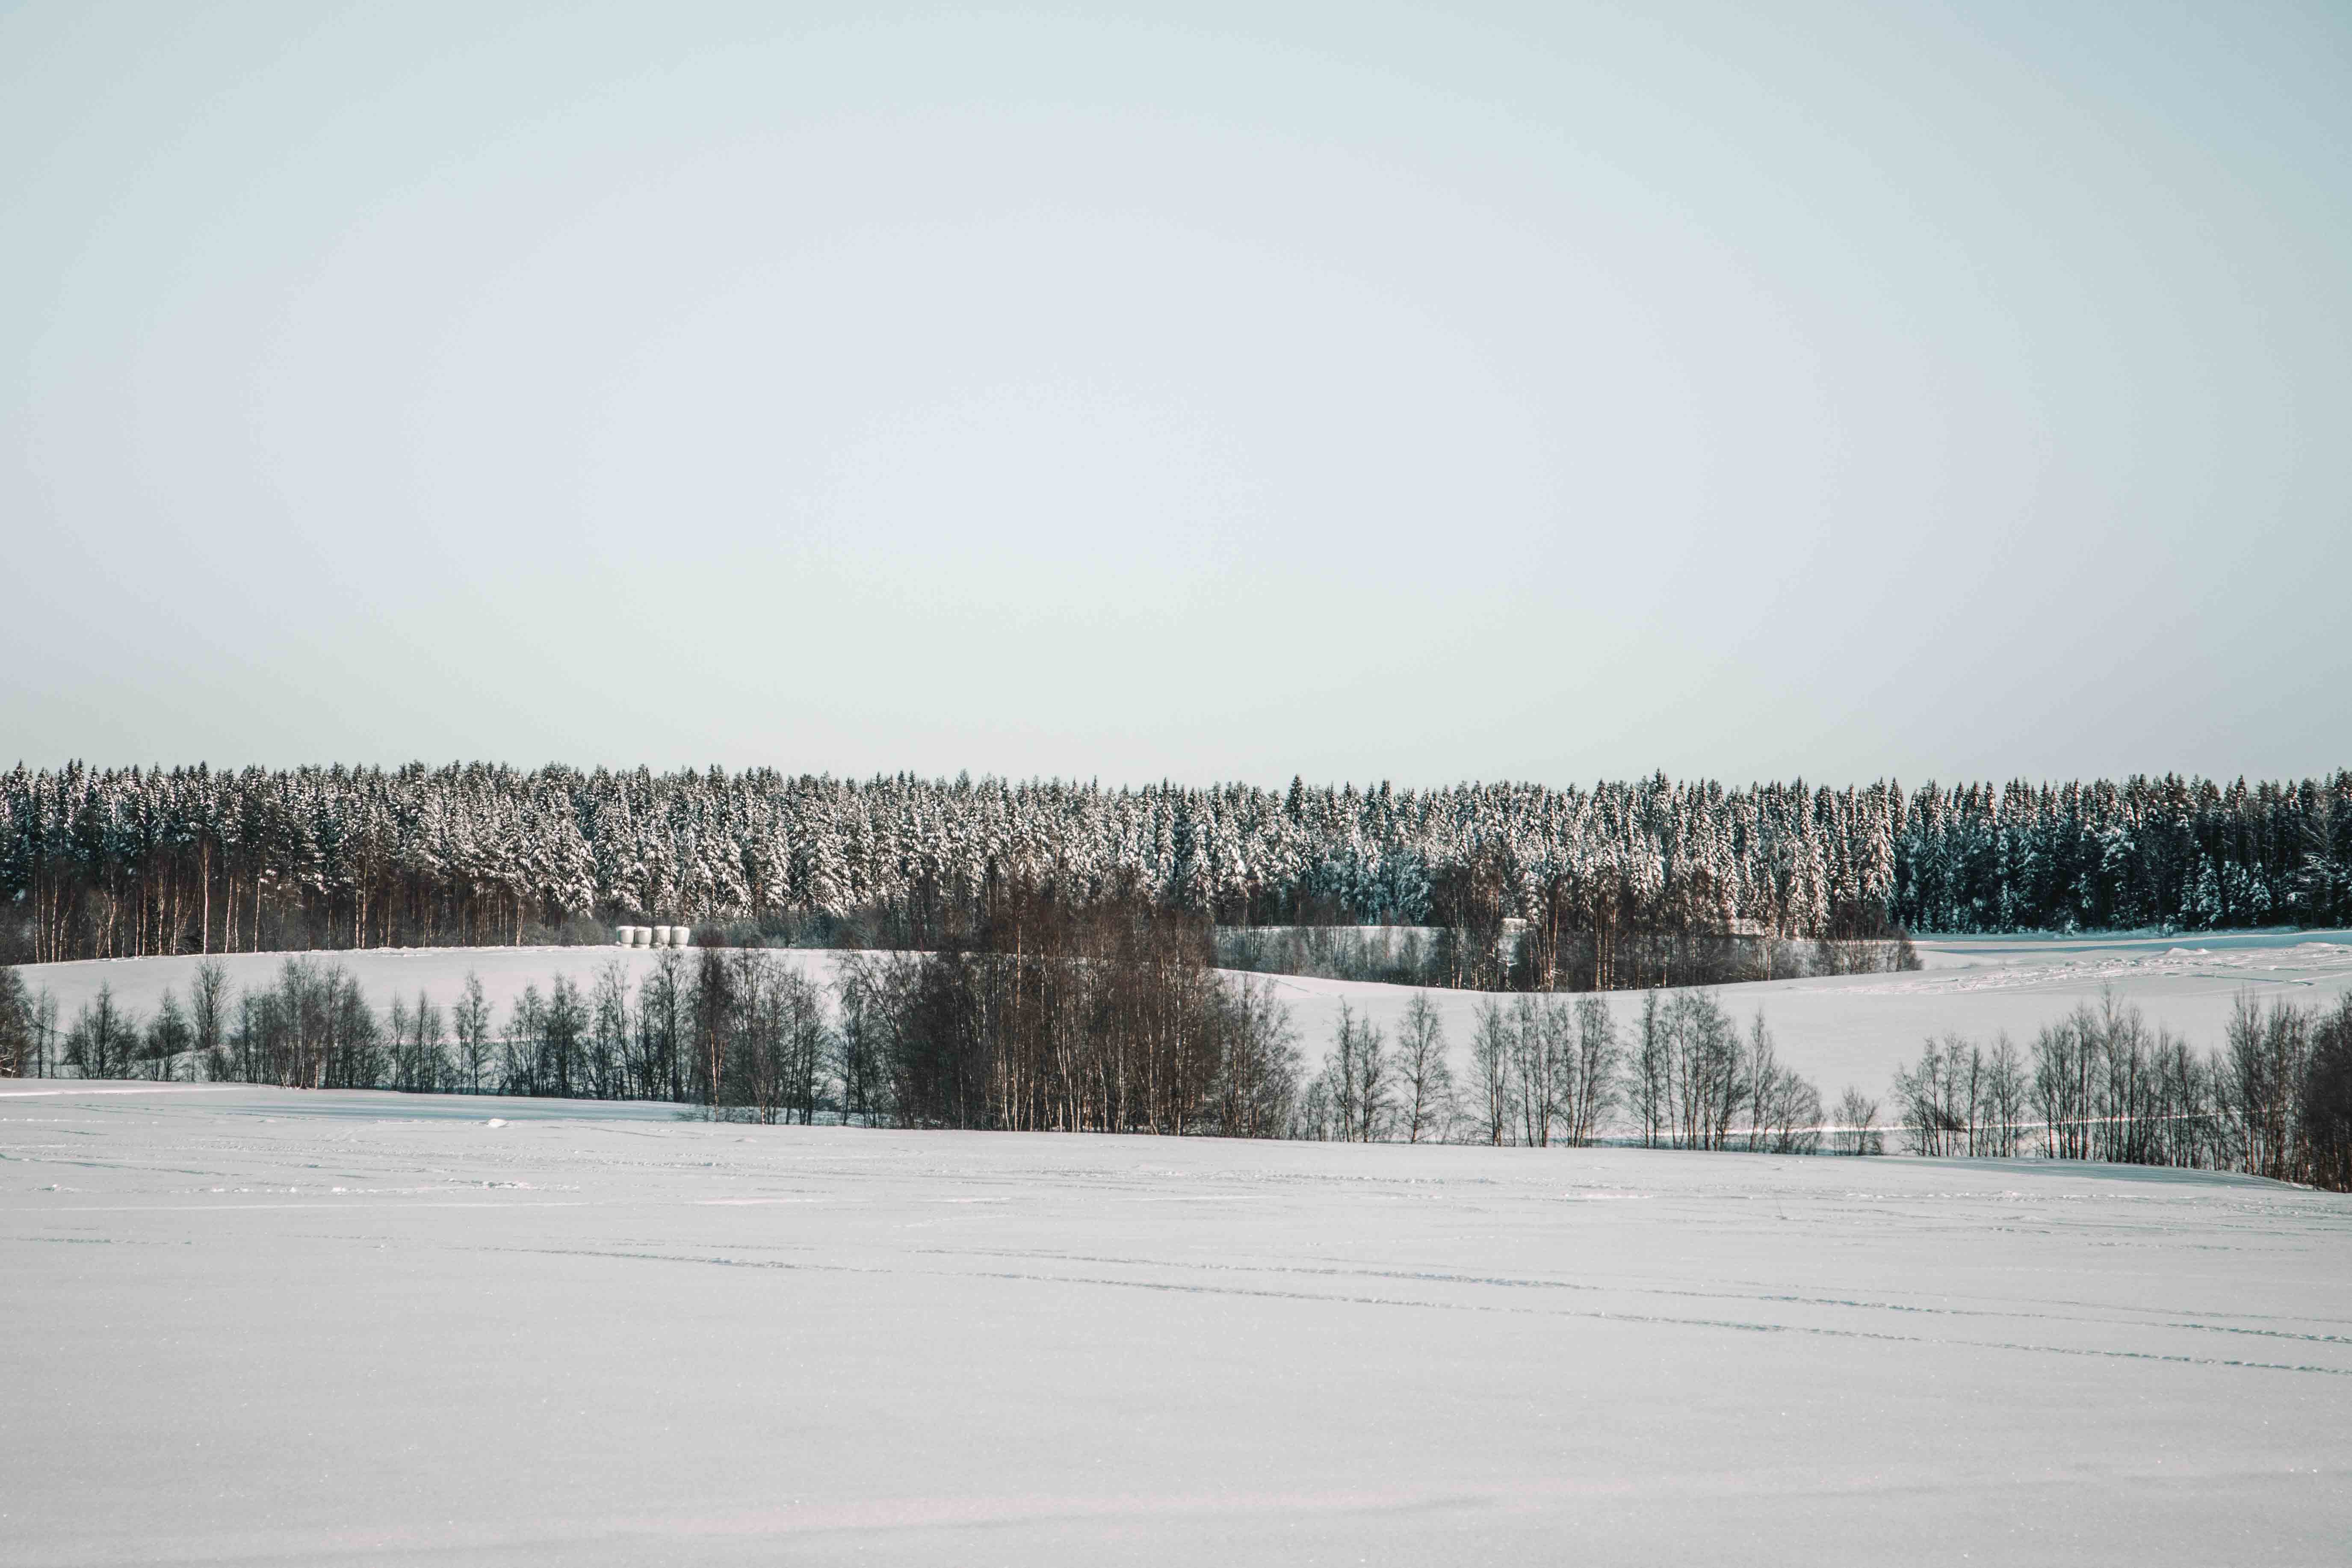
(1547, 391)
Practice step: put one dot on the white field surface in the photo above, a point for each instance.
(261, 1326)
(1854, 1029)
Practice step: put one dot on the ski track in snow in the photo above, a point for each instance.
(343, 1327)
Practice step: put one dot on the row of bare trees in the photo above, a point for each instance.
(1104, 1017)
(1546, 1069)
(311, 1029)
(1091, 1019)
(1370, 1090)
(1101, 1018)
(1542, 1070)
(2275, 1099)
(1695, 1080)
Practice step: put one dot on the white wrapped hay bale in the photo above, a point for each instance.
(640, 936)
(662, 936)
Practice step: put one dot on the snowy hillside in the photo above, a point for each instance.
(271, 1326)
(1851, 1029)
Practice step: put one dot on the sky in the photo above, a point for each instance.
(1547, 392)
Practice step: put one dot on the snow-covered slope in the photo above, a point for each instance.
(1850, 1030)
(257, 1326)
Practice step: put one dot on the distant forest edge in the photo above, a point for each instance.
(1515, 886)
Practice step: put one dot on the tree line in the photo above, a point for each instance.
(2274, 1099)
(1512, 958)
(1108, 1018)
(1649, 882)
(1097, 1017)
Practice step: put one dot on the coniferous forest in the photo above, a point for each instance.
(1624, 884)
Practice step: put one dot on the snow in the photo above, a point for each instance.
(249, 1325)
(1850, 1029)
(1857, 1030)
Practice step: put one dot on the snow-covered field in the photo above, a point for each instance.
(1854, 1029)
(257, 1326)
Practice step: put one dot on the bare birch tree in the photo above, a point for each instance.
(1426, 1082)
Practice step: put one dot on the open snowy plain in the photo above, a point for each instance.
(256, 1326)
(1851, 1029)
